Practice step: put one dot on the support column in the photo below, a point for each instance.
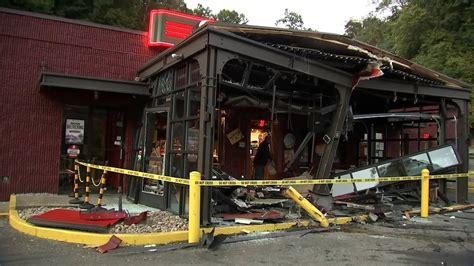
(463, 149)
(325, 165)
(206, 127)
(443, 115)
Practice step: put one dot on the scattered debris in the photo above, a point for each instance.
(248, 221)
(240, 203)
(136, 219)
(211, 241)
(373, 217)
(267, 202)
(356, 206)
(259, 215)
(113, 243)
(157, 221)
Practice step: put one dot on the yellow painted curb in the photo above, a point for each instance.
(86, 238)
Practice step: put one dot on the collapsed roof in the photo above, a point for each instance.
(340, 52)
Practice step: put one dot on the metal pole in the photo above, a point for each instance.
(194, 208)
(86, 204)
(119, 190)
(307, 206)
(425, 192)
(76, 199)
(101, 190)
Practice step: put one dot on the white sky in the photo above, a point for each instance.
(321, 15)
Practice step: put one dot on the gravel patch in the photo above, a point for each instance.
(156, 221)
(25, 214)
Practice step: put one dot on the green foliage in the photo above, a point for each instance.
(202, 11)
(41, 6)
(231, 16)
(291, 20)
(122, 13)
(438, 34)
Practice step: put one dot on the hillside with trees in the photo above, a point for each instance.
(122, 13)
(438, 34)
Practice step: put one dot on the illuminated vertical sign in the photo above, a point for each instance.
(167, 28)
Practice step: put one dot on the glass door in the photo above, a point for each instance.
(153, 157)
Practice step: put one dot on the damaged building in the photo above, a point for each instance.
(331, 105)
(193, 96)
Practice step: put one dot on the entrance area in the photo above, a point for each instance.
(151, 158)
(92, 134)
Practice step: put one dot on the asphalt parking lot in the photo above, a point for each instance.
(445, 239)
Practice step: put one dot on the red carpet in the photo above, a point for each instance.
(70, 219)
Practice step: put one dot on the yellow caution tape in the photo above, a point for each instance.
(137, 173)
(224, 183)
(303, 181)
(294, 182)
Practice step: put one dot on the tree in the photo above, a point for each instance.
(122, 13)
(203, 11)
(437, 34)
(291, 20)
(231, 16)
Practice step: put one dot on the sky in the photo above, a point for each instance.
(321, 15)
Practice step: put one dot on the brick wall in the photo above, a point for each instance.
(30, 121)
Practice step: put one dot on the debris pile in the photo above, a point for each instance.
(155, 222)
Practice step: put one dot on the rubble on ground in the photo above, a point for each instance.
(157, 221)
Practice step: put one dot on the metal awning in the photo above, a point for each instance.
(55, 80)
(396, 115)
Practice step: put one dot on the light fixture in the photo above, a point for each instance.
(177, 56)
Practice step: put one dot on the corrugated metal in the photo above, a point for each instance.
(30, 127)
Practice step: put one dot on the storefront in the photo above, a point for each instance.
(206, 103)
(67, 90)
(226, 86)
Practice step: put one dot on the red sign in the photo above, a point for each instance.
(167, 28)
(425, 136)
(73, 151)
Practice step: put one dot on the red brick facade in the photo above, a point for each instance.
(30, 120)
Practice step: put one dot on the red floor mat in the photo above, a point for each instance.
(70, 219)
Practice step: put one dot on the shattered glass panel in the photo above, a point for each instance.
(391, 169)
(341, 189)
(443, 158)
(366, 173)
(414, 164)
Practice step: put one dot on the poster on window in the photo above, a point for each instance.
(74, 131)
(193, 143)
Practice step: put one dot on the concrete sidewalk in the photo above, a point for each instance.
(110, 201)
(4, 208)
